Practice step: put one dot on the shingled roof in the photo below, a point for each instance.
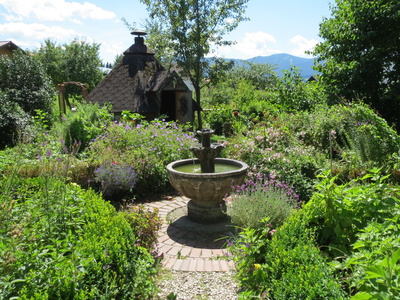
(134, 82)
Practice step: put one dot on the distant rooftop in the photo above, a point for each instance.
(9, 45)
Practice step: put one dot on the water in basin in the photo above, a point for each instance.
(195, 168)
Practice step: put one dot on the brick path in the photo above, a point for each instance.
(187, 248)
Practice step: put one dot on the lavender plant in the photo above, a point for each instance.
(262, 199)
(115, 178)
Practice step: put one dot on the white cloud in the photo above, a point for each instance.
(38, 32)
(251, 45)
(302, 45)
(52, 10)
(111, 50)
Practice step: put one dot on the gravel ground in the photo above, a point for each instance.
(197, 285)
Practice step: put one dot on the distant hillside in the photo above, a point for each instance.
(284, 61)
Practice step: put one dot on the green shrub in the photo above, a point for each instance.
(359, 221)
(287, 265)
(61, 242)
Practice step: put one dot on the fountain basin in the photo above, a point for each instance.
(206, 190)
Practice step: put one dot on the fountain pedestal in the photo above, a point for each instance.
(206, 214)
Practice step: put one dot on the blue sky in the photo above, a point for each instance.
(287, 26)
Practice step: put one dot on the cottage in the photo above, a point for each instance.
(7, 48)
(140, 84)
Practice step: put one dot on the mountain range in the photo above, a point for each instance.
(283, 61)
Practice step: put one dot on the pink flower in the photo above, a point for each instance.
(272, 232)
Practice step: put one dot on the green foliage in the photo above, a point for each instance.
(51, 56)
(369, 135)
(25, 82)
(359, 221)
(340, 212)
(258, 108)
(61, 242)
(145, 222)
(292, 93)
(285, 264)
(14, 122)
(146, 148)
(359, 55)
(243, 88)
(217, 117)
(261, 200)
(353, 135)
(132, 117)
(24, 89)
(375, 262)
(260, 76)
(84, 124)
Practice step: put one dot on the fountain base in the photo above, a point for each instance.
(206, 214)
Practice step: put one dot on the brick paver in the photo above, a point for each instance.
(189, 251)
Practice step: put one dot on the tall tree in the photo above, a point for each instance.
(81, 62)
(360, 57)
(51, 56)
(78, 61)
(191, 28)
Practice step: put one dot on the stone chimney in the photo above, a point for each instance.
(138, 47)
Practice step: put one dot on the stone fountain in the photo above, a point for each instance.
(206, 180)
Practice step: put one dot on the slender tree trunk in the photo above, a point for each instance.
(199, 120)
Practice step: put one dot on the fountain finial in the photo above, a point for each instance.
(205, 136)
(206, 152)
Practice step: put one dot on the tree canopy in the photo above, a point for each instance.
(78, 61)
(360, 55)
(190, 28)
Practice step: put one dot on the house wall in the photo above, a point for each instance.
(6, 52)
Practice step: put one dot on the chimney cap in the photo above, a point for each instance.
(138, 33)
